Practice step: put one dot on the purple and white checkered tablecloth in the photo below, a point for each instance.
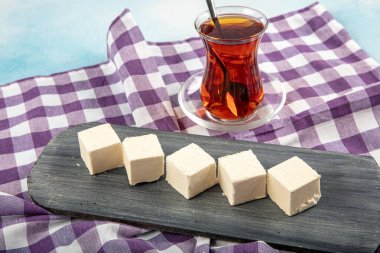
(333, 103)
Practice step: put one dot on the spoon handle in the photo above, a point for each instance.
(214, 18)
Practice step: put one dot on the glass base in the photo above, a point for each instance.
(191, 104)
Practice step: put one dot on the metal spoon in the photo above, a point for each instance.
(210, 4)
(230, 90)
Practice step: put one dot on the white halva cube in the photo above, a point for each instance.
(190, 171)
(242, 177)
(143, 158)
(100, 148)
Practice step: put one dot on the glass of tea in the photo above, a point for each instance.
(231, 88)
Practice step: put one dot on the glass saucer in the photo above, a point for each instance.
(191, 104)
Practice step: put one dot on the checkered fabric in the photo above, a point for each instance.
(333, 103)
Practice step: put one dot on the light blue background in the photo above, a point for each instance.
(41, 37)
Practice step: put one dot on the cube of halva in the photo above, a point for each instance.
(190, 171)
(100, 148)
(294, 186)
(143, 158)
(242, 177)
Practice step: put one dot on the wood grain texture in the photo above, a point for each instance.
(346, 219)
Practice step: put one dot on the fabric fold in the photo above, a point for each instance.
(145, 90)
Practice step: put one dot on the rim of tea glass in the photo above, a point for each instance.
(231, 10)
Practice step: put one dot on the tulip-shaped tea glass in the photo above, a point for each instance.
(231, 88)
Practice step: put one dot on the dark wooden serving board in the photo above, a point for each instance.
(346, 219)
